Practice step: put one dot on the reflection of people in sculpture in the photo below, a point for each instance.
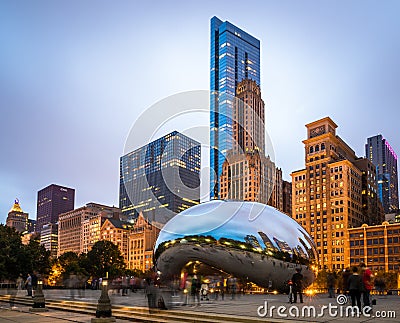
(195, 290)
(297, 280)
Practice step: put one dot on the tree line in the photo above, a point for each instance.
(104, 259)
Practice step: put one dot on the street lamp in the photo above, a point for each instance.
(39, 303)
(103, 311)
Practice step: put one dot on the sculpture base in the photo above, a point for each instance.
(38, 309)
(103, 319)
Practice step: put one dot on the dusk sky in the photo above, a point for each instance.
(75, 75)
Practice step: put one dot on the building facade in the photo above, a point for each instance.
(141, 244)
(276, 199)
(372, 206)
(51, 202)
(91, 227)
(382, 155)
(287, 198)
(17, 218)
(235, 56)
(117, 232)
(327, 194)
(247, 174)
(377, 246)
(160, 179)
(49, 238)
(70, 226)
(31, 225)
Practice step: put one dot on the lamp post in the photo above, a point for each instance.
(39, 302)
(103, 311)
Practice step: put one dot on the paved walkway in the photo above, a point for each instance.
(242, 306)
(21, 314)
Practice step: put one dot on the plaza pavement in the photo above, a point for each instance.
(243, 308)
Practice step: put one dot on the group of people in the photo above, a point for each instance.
(359, 283)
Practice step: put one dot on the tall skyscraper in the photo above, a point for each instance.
(160, 179)
(17, 218)
(52, 201)
(372, 206)
(247, 174)
(235, 56)
(382, 155)
(287, 198)
(327, 194)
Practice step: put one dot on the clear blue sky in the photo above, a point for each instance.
(74, 75)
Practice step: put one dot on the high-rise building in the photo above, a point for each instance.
(382, 155)
(276, 199)
(51, 202)
(31, 225)
(372, 206)
(235, 56)
(247, 174)
(160, 179)
(49, 238)
(287, 198)
(17, 218)
(70, 226)
(327, 194)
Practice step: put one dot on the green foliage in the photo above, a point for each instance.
(36, 257)
(322, 279)
(105, 257)
(16, 258)
(69, 263)
(134, 272)
(10, 253)
(390, 279)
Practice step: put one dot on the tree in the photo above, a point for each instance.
(11, 253)
(16, 258)
(105, 257)
(65, 265)
(36, 257)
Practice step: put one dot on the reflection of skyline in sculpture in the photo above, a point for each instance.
(235, 238)
(267, 241)
(252, 240)
(283, 246)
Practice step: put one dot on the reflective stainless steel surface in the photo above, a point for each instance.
(243, 239)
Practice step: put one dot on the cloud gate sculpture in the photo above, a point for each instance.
(243, 239)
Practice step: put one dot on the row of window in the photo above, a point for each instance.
(316, 148)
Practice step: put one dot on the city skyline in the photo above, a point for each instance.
(64, 85)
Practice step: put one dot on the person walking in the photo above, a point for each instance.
(355, 285)
(367, 282)
(297, 280)
(331, 285)
(345, 280)
(28, 285)
(20, 281)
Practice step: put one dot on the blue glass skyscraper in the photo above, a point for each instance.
(382, 155)
(161, 178)
(235, 55)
